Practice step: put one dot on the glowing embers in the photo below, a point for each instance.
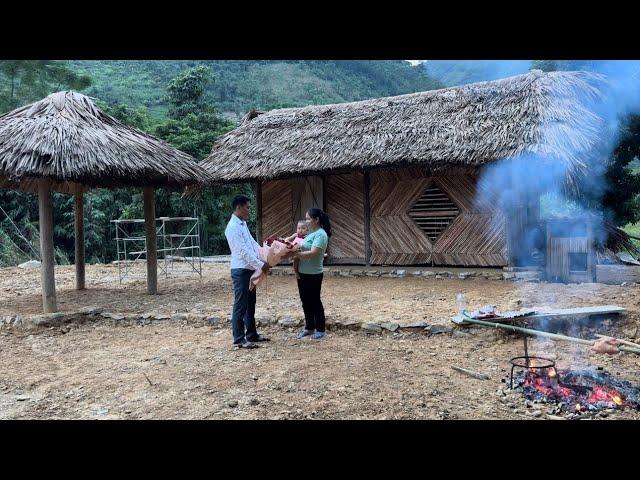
(433, 212)
(577, 390)
(533, 364)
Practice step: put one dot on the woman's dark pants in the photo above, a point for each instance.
(309, 287)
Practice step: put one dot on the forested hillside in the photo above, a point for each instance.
(191, 103)
(460, 72)
(240, 85)
(188, 104)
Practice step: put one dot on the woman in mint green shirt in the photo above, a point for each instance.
(311, 258)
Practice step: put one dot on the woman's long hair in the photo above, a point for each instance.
(324, 219)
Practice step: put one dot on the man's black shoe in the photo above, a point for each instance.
(261, 338)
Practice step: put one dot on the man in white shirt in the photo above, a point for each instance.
(244, 261)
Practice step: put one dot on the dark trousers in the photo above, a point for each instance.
(309, 288)
(243, 318)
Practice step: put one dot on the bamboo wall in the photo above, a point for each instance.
(475, 237)
(395, 237)
(345, 207)
(563, 240)
(277, 208)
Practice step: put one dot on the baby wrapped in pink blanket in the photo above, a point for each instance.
(272, 252)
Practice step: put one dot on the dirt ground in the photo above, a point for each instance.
(176, 370)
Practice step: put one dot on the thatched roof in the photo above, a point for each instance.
(466, 126)
(66, 138)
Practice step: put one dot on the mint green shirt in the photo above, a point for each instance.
(317, 239)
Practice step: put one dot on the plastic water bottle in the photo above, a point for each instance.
(460, 302)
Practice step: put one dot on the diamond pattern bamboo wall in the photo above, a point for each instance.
(395, 237)
(476, 237)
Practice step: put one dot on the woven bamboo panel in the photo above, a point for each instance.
(395, 237)
(397, 234)
(559, 264)
(433, 211)
(345, 207)
(476, 237)
(396, 198)
(470, 196)
(307, 193)
(400, 258)
(397, 174)
(277, 208)
(468, 260)
(473, 239)
(410, 173)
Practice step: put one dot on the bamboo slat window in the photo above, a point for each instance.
(433, 212)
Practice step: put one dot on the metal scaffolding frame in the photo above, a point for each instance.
(131, 245)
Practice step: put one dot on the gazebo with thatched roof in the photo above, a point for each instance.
(399, 175)
(65, 143)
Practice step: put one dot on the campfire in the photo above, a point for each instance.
(586, 390)
(572, 390)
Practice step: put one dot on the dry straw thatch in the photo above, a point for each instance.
(538, 113)
(66, 138)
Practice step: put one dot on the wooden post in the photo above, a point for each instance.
(258, 191)
(79, 231)
(514, 216)
(548, 254)
(367, 220)
(324, 193)
(591, 254)
(47, 274)
(150, 232)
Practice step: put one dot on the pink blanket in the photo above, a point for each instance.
(272, 255)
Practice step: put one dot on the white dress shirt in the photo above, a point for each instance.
(244, 249)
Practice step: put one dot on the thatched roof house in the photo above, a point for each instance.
(66, 138)
(462, 126)
(65, 143)
(398, 175)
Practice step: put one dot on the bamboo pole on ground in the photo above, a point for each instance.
(47, 272)
(79, 239)
(540, 333)
(150, 233)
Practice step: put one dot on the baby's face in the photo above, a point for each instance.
(302, 227)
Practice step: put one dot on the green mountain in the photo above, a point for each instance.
(460, 72)
(241, 85)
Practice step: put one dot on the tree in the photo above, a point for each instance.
(134, 117)
(617, 192)
(25, 81)
(621, 197)
(22, 82)
(185, 93)
(193, 125)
